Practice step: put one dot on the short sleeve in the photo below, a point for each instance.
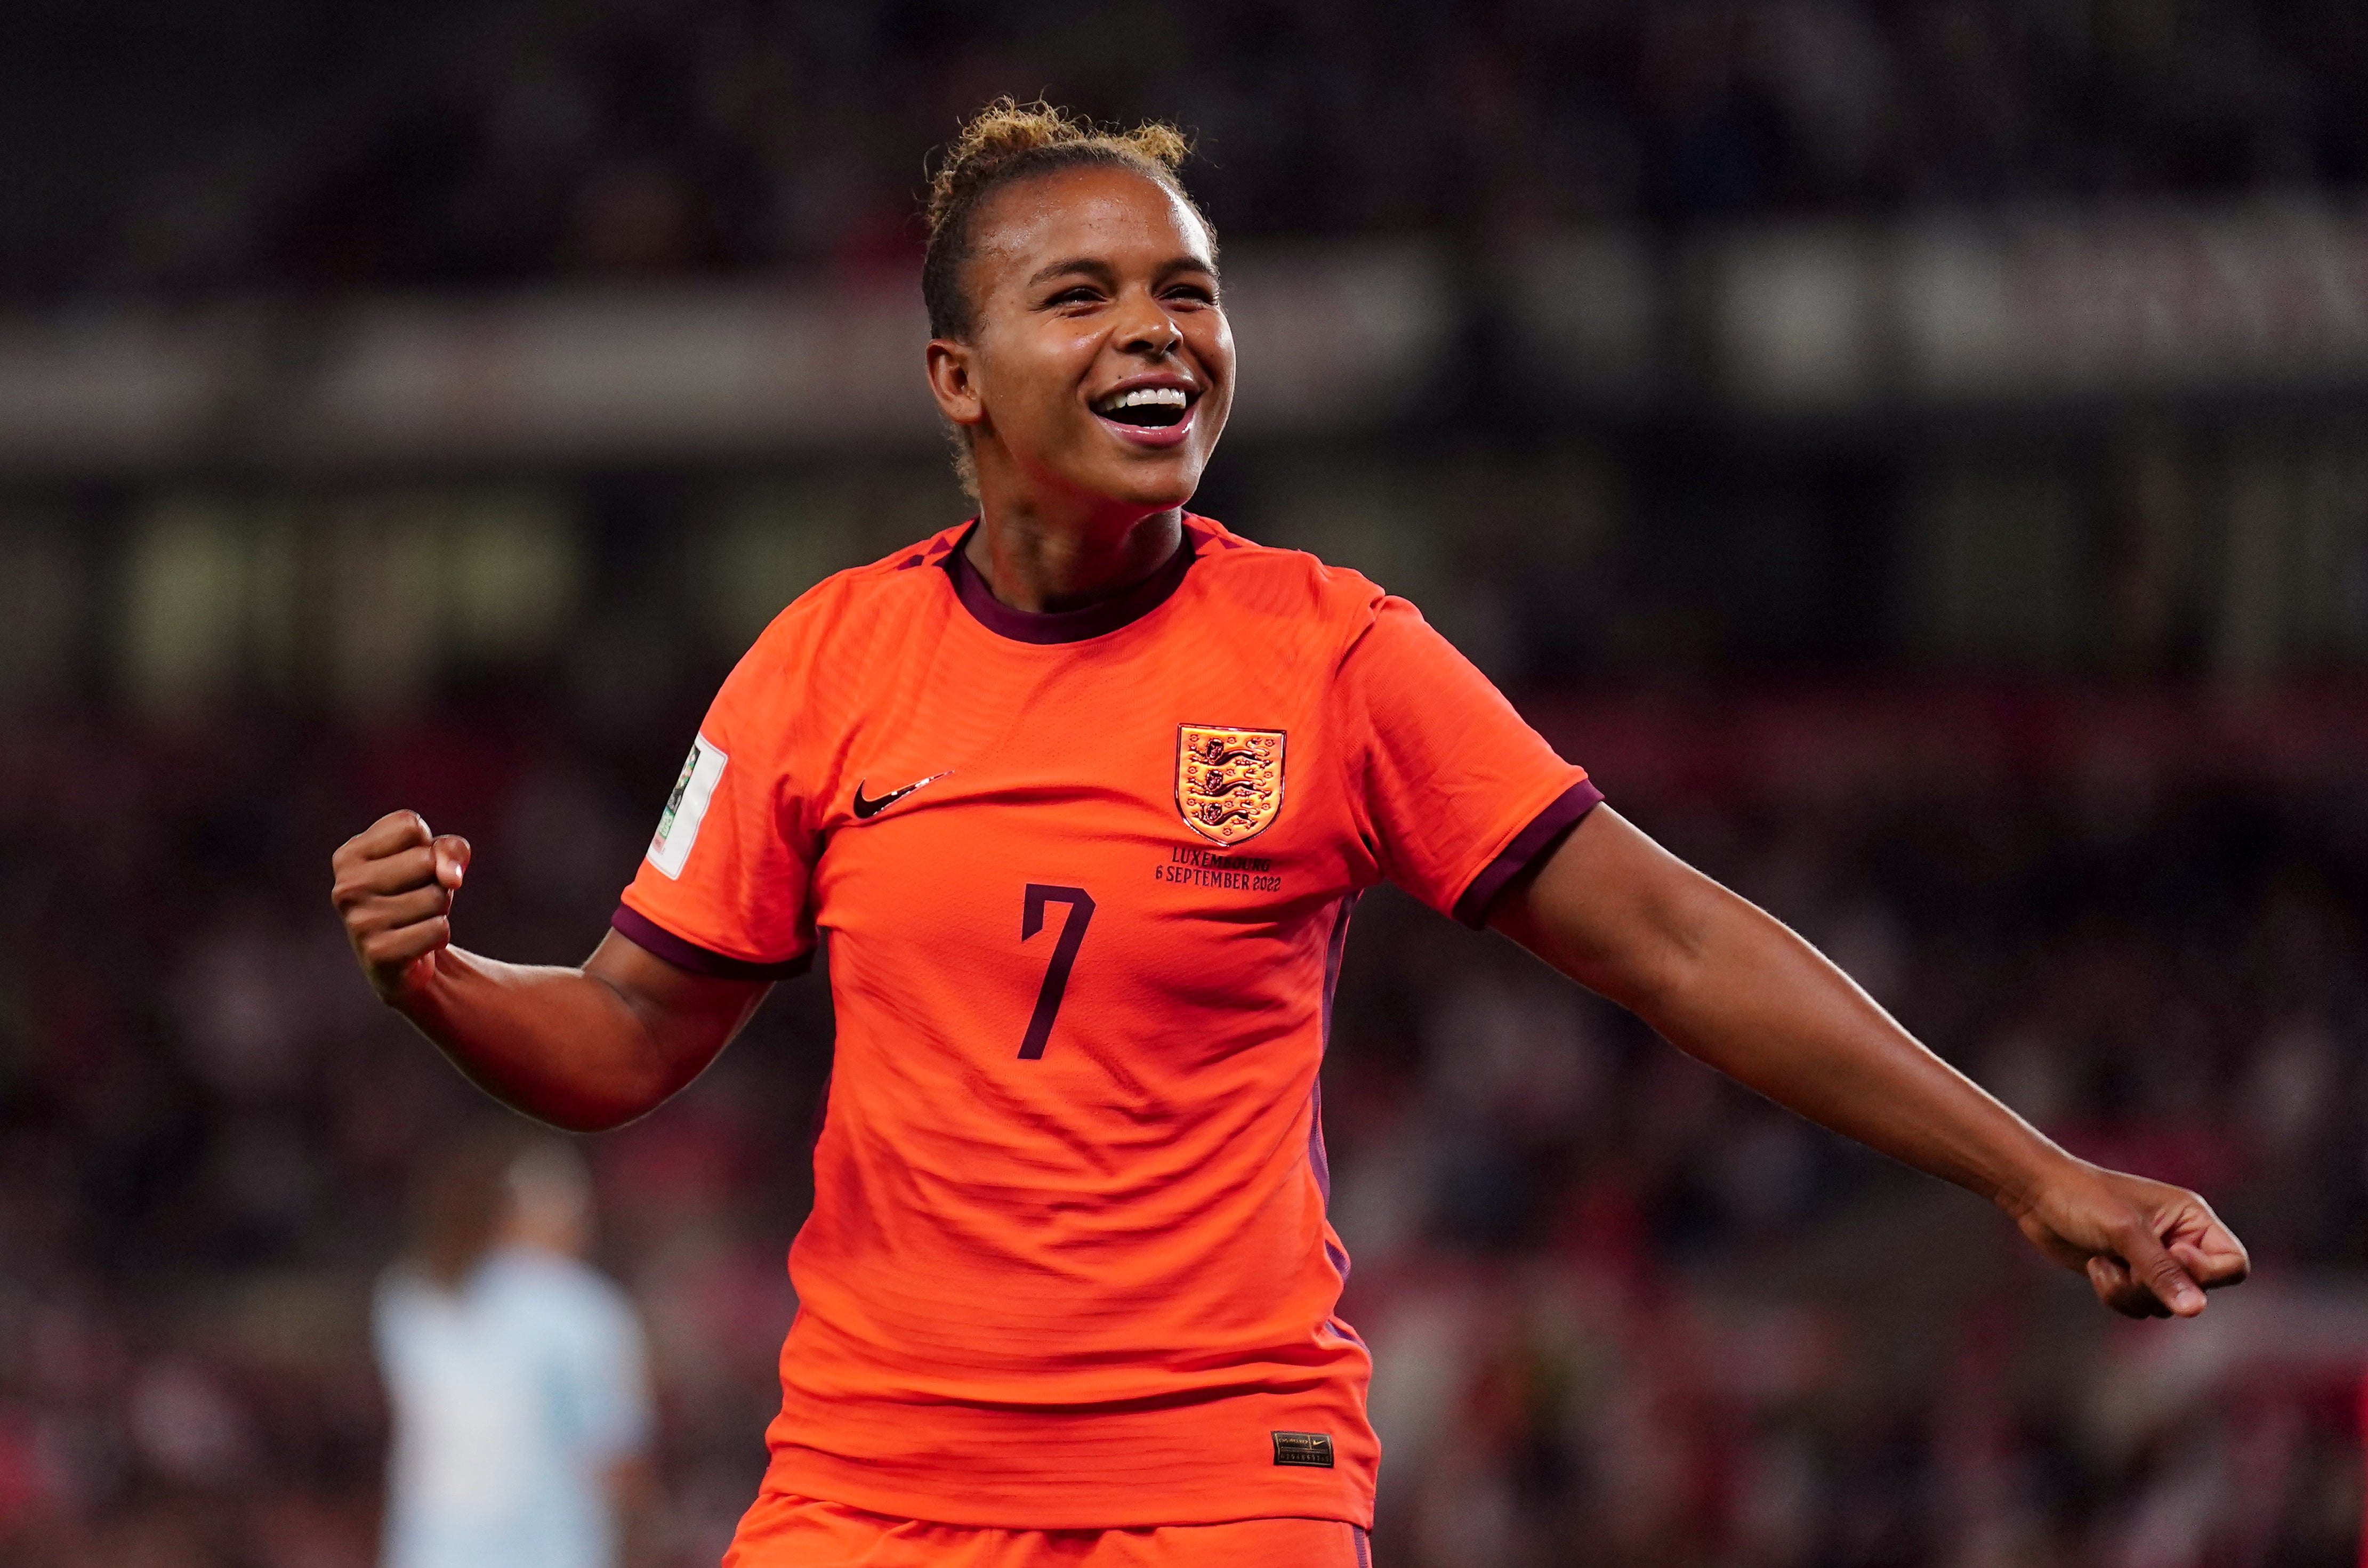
(1455, 792)
(606, 1369)
(722, 890)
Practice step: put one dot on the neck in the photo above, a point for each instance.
(1043, 564)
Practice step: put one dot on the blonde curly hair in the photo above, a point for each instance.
(1008, 140)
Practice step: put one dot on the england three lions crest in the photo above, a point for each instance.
(1228, 781)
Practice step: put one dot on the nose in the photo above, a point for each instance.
(1149, 330)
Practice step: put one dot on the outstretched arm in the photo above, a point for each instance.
(1729, 984)
(583, 1049)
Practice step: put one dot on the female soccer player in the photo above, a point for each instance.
(1083, 792)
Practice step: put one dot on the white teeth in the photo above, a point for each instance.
(1147, 397)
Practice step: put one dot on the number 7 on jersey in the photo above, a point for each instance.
(1065, 955)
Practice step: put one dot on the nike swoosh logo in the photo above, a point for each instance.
(866, 809)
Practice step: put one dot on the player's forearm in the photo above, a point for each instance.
(1732, 986)
(560, 1044)
(1752, 999)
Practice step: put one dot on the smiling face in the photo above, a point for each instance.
(1098, 368)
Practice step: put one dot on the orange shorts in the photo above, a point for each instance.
(783, 1531)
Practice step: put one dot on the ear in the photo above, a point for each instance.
(950, 382)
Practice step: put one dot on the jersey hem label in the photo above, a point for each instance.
(1311, 1449)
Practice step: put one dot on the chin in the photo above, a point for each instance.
(1156, 489)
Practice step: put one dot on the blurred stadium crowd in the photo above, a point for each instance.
(642, 141)
(1624, 1314)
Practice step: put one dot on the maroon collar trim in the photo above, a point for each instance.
(1068, 625)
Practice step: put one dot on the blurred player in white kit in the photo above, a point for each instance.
(516, 1373)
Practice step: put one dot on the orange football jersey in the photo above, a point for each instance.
(1084, 880)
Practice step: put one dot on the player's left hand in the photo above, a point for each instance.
(2150, 1249)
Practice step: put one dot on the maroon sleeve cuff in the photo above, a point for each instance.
(651, 937)
(1532, 841)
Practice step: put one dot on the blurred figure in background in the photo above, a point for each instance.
(516, 1372)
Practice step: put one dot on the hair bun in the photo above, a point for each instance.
(1007, 131)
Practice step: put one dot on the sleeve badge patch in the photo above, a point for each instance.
(687, 808)
(1228, 781)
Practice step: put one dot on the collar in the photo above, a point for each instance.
(1096, 619)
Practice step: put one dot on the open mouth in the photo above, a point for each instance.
(1146, 408)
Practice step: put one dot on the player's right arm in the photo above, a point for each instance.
(585, 1048)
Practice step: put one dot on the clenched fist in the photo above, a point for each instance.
(393, 887)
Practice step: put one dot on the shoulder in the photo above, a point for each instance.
(560, 1289)
(1369, 642)
(824, 641)
(856, 597)
(403, 1295)
(1265, 580)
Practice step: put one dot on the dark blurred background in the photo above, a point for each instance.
(1915, 452)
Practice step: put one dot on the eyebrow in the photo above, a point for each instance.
(1093, 266)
